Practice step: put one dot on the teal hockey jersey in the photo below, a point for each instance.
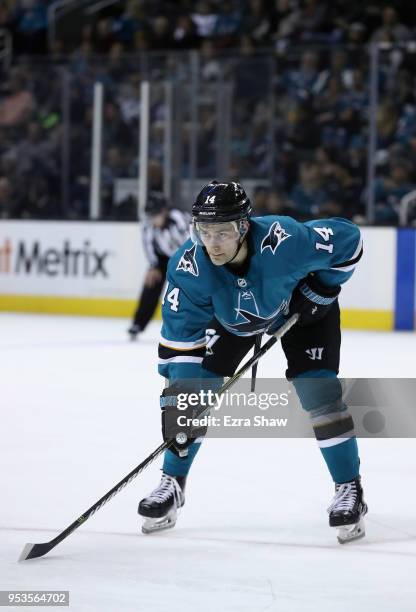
(282, 251)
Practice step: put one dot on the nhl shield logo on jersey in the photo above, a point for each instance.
(187, 262)
(274, 238)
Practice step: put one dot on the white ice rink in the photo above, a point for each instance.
(79, 409)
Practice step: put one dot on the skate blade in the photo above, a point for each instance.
(348, 533)
(152, 525)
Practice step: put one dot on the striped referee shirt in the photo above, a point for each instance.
(160, 243)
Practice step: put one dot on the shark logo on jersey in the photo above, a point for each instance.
(187, 262)
(253, 323)
(274, 238)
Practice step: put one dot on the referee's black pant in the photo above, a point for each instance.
(149, 298)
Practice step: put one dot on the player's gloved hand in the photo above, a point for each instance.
(178, 402)
(312, 300)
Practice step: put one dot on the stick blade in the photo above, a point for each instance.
(31, 551)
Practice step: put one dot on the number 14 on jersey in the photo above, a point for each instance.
(325, 233)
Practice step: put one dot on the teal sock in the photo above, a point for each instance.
(180, 466)
(342, 460)
(320, 393)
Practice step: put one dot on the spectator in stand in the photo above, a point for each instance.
(155, 175)
(7, 200)
(344, 191)
(329, 104)
(227, 26)
(257, 23)
(128, 101)
(41, 198)
(240, 140)
(17, 106)
(141, 41)
(259, 200)
(301, 129)
(357, 94)
(390, 190)
(387, 118)
(354, 159)
(161, 37)
(406, 128)
(115, 129)
(251, 74)
(114, 167)
(157, 141)
(338, 69)
(303, 81)
(355, 33)
(260, 137)
(277, 203)
(285, 22)
(206, 141)
(286, 167)
(29, 23)
(36, 153)
(185, 36)
(115, 67)
(126, 24)
(205, 19)
(103, 36)
(391, 29)
(309, 195)
(270, 202)
(210, 66)
(313, 21)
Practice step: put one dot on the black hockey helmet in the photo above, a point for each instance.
(155, 204)
(220, 203)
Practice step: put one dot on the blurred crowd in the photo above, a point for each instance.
(299, 75)
(139, 25)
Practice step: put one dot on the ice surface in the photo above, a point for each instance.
(79, 407)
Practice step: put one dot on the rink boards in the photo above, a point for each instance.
(94, 268)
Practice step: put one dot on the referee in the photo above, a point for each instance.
(164, 230)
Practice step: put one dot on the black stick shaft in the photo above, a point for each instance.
(257, 346)
(111, 493)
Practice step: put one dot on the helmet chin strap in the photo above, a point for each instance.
(240, 244)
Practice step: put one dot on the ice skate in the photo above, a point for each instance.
(347, 510)
(133, 331)
(160, 508)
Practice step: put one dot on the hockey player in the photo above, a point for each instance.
(283, 267)
(164, 230)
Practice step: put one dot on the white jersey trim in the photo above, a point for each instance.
(181, 359)
(353, 256)
(174, 344)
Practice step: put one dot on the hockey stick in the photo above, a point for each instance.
(31, 551)
(257, 345)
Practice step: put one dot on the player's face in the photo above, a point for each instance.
(220, 241)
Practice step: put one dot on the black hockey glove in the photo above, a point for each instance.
(180, 407)
(312, 300)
